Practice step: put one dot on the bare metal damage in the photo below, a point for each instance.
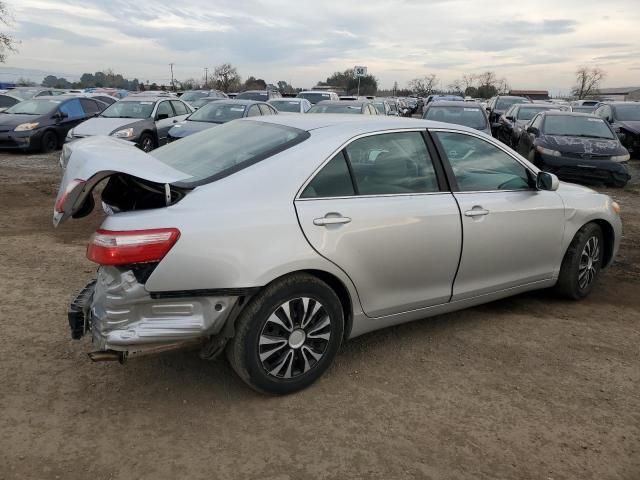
(124, 317)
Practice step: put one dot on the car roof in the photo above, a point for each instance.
(566, 113)
(355, 124)
(343, 102)
(618, 102)
(288, 99)
(316, 91)
(147, 98)
(241, 101)
(55, 97)
(454, 103)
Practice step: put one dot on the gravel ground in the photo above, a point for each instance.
(532, 387)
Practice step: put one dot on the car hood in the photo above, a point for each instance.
(104, 125)
(8, 121)
(632, 126)
(186, 128)
(89, 160)
(600, 146)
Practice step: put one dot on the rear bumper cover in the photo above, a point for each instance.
(121, 315)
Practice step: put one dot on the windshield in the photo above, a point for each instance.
(469, 117)
(130, 109)
(504, 103)
(626, 113)
(570, 126)
(217, 152)
(23, 94)
(34, 107)
(335, 108)
(190, 96)
(380, 107)
(315, 97)
(527, 113)
(202, 102)
(286, 105)
(216, 112)
(260, 96)
(583, 109)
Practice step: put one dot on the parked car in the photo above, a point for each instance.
(514, 121)
(258, 95)
(500, 104)
(393, 106)
(25, 93)
(142, 120)
(191, 96)
(624, 118)
(577, 147)
(469, 114)
(315, 96)
(41, 123)
(291, 105)
(384, 107)
(344, 106)
(581, 109)
(216, 113)
(279, 239)
(7, 100)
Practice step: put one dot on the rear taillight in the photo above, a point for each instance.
(63, 198)
(109, 247)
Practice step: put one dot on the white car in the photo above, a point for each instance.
(291, 105)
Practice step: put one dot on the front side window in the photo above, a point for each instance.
(627, 113)
(72, 108)
(164, 109)
(334, 180)
(481, 166)
(392, 163)
(266, 110)
(254, 111)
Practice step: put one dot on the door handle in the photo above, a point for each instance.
(476, 212)
(330, 221)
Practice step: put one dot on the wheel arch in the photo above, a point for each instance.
(153, 133)
(608, 236)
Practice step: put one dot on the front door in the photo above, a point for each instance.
(377, 212)
(512, 232)
(164, 120)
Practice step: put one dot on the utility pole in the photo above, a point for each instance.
(173, 87)
(206, 77)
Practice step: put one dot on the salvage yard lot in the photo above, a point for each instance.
(527, 387)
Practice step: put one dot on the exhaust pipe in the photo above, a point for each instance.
(108, 356)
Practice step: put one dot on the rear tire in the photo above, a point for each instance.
(582, 263)
(288, 335)
(49, 142)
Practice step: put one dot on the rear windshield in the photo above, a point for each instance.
(260, 96)
(335, 108)
(626, 113)
(218, 152)
(34, 107)
(286, 105)
(504, 103)
(315, 97)
(527, 113)
(202, 101)
(190, 96)
(216, 112)
(467, 116)
(130, 109)
(578, 126)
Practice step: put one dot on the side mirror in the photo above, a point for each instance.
(547, 181)
(533, 131)
(60, 115)
(610, 119)
(511, 118)
(162, 116)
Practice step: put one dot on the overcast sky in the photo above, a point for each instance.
(534, 44)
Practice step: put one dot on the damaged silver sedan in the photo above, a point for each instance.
(277, 239)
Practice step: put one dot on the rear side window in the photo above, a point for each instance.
(165, 109)
(266, 110)
(392, 163)
(90, 106)
(253, 111)
(179, 107)
(218, 152)
(333, 180)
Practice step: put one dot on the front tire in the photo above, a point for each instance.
(288, 335)
(582, 263)
(146, 142)
(49, 142)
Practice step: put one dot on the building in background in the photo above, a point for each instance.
(531, 94)
(620, 93)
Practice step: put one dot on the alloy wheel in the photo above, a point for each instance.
(589, 260)
(294, 338)
(147, 144)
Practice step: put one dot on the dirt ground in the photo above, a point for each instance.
(531, 387)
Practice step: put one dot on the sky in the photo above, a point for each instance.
(533, 44)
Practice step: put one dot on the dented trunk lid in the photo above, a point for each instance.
(88, 161)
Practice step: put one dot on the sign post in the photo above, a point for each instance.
(360, 72)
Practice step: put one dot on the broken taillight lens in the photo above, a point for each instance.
(110, 247)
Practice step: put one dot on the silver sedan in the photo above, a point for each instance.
(276, 239)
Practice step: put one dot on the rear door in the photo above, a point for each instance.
(512, 232)
(75, 114)
(379, 211)
(165, 119)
